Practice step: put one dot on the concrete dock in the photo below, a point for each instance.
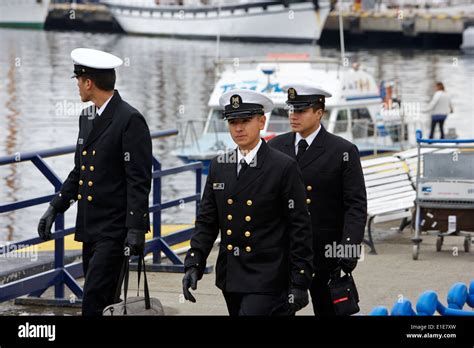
(381, 278)
(402, 27)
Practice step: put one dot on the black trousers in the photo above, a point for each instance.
(320, 297)
(102, 262)
(437, 119)
(257, 304)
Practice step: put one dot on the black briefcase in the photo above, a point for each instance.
(344, 294)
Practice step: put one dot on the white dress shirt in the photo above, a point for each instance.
(309, 139)
(102, 108)
(249, 156)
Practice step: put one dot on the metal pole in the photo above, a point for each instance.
(341, 33)
(218, 38)
(157, 214)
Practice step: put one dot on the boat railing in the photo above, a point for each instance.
(189, 132)
(222, 64)
(66, 274)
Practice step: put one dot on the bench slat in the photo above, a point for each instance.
(385, 181)
(381, 188)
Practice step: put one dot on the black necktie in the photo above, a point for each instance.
(243, 166)
(302, 146)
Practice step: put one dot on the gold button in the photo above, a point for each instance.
(247, 234)
(309, 188)
(229, 232)
(308, 201)
(230, 201)
(84, 153)
(89, 198)
(90, 183)
(93, 152)
(83, 167)
(229, 217)
(249, 202)
(91, 168)
(79, 197)
(248, 249)
(81, 182)
(248, 218)
(229, 247)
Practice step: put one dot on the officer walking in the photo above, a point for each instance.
(335, 188)
(255, 197)
(110, 181)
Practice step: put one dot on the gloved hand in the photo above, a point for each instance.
(347, 264)
(135, 241)
(45, 223)
(298, 298)
(190, 279)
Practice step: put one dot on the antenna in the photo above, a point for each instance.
(341, 33)
(218, 37)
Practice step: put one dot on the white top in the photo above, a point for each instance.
(95, 59)
(309, 139)
(247, 96)
(102, 108)
(249, 157)
(305, 89)
(440, 104)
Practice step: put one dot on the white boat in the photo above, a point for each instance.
(247, 20)
(356, 110)
(23, 13)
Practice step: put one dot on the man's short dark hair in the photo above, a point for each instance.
(318, 106)
(104, 80)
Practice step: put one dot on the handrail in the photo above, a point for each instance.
(65, 274)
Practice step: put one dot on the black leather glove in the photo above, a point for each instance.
(135, 241)
(347, 264)
(190, 280)
(45, 223)
(298, 298)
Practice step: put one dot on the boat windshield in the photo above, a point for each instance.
(217, 124)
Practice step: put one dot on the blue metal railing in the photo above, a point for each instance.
(63, 274)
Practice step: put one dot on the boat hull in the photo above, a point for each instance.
(29, 14)
(298, 23)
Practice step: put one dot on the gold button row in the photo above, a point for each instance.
(230, 201)
(91, 168)
(89, 198)
(247, 233)
(247, 248)
(84, 153)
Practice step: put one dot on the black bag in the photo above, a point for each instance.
(344, 294)
(134, 305)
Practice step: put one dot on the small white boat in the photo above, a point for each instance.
(247, 20)
(355, 111)
(23, 13)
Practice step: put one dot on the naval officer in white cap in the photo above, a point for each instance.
(335, 188)
(110, 181)
(255, 197)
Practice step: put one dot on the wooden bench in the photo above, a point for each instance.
(390, 193)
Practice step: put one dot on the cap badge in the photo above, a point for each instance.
(235, 101)
(291, 93)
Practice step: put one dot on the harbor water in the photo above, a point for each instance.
(169, 81)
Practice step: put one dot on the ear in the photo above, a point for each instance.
(320, 113)
(261, 122)
(88, 83)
